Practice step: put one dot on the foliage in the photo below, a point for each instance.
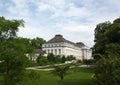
(100, 39)
(106, 53)
(60, 71)
(57, 58)
(89, 62)
(51, 58)
(42, 60)
(13, 60)
(8, 28)
(63, 59)
(106, 35)
(12, 52)
(107, 71)
(37, 42)
(80, 61)
(70, 58)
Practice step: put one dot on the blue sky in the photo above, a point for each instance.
(74, 19)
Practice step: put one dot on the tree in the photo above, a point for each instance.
(100, 39)
(107, 71)
(51, 58)
(60, 71)
(12, 52)
(106, 34)
(42, 60)
(37, 42)
(106, 53)
(63, 59)
(8, 28)
(70, 58)
(57, 59)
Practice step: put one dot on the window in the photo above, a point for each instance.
(51, 45)
(48, 51)
(55, 51)
(59, 51)
(51, 50)
(48, 45)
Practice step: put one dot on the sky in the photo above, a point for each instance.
(74, 19)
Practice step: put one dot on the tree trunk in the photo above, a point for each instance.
(61, 80)
(6, 74)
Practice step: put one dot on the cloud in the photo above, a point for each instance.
(31, 31)
(73, 26)
(74, 19)
(18, 7)
(43, 7)
(72, 11)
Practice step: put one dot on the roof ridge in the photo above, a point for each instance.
(59, 38)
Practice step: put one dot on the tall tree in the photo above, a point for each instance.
(107, 37)
(12, 52)
(37, 42)
(100, 39)
(107, 54)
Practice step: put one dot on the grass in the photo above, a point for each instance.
(75, 76)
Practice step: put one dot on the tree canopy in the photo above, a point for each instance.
(107, 38)
(106, 52)
(12, 52)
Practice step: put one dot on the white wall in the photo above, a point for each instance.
(63, 49)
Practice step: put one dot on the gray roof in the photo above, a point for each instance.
(59, 39)
(56, 39)
(80, 44)
(38, 51)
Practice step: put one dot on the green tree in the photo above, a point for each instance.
(8, 28)
(70, 58)
(12, 52)
(106, 34)
(100, 39)
(58, 59)
(107, 71)
(51, 58)
(106, 53)
(37, 42)
(63, 59)
(42, 60)
(60, 71)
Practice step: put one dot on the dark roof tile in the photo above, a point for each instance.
(60, 38)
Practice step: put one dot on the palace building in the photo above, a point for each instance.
(58, 45)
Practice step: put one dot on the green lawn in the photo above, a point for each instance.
(75, 76)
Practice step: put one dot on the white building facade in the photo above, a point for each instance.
(86, 53)
(60, 46)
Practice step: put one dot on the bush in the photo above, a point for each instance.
(70, 58)
(42, 60)
(88, 62)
